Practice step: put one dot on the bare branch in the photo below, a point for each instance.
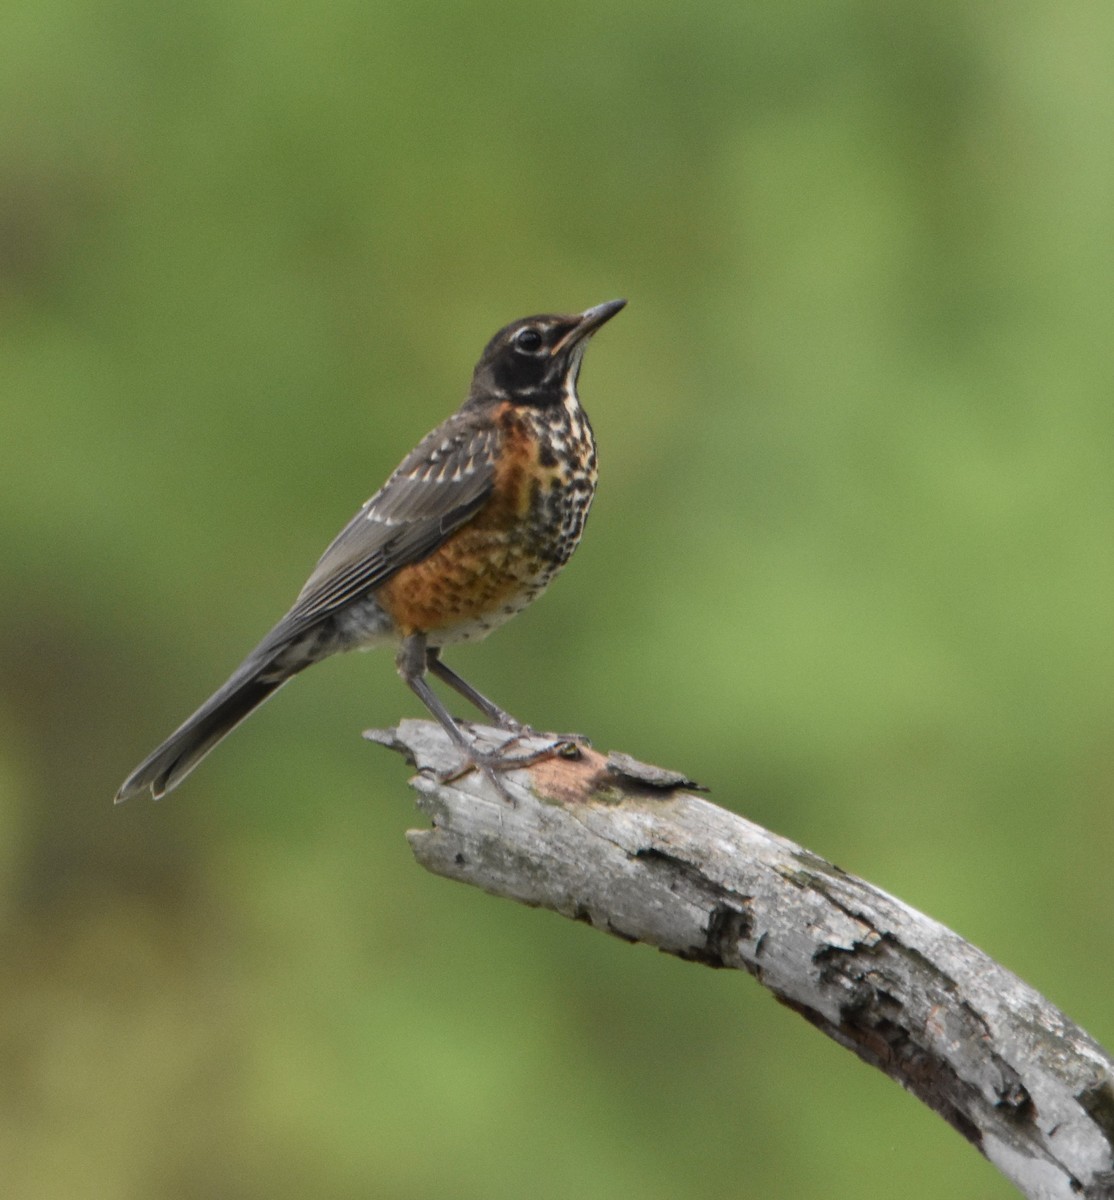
(605, 841)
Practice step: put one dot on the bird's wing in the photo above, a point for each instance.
(439, 486)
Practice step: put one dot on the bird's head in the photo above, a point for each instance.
(536, 360)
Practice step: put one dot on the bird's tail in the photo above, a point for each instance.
(164, 768)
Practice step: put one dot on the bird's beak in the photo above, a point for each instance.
(587, 323)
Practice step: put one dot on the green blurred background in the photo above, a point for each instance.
(851, 563)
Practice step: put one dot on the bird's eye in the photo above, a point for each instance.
(529, 341)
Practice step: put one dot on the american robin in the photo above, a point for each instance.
(472, 525)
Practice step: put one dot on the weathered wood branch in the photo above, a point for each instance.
(605, 841)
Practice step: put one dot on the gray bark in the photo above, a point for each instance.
(633, 852)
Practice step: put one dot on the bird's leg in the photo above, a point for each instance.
(492, 711)
(412, 661)
(488, 707)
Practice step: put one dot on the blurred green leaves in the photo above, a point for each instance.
(852, 553)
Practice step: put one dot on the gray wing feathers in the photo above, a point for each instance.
(437, 488)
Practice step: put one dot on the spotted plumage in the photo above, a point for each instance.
(470, 528)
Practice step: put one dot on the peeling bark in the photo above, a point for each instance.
(629, 849)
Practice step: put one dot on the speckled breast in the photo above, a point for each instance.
(506, 556)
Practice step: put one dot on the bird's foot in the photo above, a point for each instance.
(524, 733)
(493, 763)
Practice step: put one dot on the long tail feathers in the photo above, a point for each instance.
(166, 767)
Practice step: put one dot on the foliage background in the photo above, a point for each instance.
(852, 563)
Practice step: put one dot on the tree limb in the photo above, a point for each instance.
(605, 841)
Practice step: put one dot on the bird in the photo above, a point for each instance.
(470, 528)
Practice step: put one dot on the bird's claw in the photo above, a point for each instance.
(492, 763)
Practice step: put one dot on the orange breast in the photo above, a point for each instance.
(491, 567)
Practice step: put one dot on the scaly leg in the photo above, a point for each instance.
(494, 713)
(412, 662)
(488, 707)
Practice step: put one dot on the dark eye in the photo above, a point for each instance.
(529, 341)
